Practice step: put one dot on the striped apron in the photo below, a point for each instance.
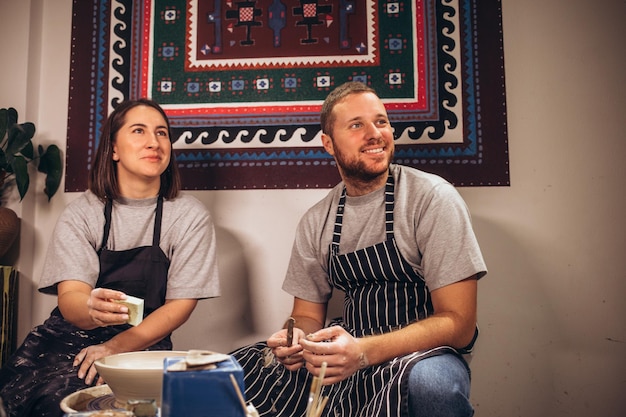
(382, 293)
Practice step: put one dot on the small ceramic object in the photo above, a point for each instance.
(199, 359)
(135, 309)
(143, 408)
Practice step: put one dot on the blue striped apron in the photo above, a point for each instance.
(382, 293)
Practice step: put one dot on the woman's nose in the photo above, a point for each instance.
(153, 142)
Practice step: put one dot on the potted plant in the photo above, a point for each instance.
(16, 152)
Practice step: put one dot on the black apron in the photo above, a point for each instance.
(40, 373)
(382, 293)
(141, 272)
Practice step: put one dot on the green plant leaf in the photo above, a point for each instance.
(50, 164)
(11, 116)
(22, 179)
(20, 136)
(3, 123)
(49, 159)
(17, 151)
(3, 161)
(28, 151)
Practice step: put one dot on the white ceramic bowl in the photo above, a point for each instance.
(135, 375)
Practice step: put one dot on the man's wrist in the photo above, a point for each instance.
(363, 362)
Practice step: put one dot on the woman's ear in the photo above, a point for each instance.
(114, 156)
(327, 142)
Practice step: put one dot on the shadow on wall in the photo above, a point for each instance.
(217, 324)
(512, 365)
(224, 323)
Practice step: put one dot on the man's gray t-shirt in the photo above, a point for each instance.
(187, 239)
(432, 227)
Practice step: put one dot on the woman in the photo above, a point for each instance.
(131, 233)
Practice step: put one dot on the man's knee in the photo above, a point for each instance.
(439, 386)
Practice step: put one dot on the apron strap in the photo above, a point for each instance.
(389, 204)
(338, 223)
(108, 208)
(156, 236)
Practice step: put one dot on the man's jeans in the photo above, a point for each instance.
(439, 386)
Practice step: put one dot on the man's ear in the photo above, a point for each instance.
(327, 142)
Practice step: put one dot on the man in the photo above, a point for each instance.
(399, 243)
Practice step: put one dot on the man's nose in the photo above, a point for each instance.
(373, 131)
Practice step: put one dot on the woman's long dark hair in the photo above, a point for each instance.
(103, 174)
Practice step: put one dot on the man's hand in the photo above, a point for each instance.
(341, 351)
(289, 356)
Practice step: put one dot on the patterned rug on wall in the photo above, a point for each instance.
(243, 83)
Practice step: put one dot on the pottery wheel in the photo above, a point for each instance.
(90, 399)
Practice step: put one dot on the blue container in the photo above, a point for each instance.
(202, 393)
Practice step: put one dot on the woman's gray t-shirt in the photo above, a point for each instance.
(187, 239)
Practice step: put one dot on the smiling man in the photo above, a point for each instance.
(399, 243)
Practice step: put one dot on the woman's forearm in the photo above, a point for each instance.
(154, 327)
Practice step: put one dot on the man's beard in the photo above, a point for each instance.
(357, 169)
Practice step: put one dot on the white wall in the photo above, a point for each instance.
(552, 308)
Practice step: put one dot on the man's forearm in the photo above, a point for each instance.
(444, 329)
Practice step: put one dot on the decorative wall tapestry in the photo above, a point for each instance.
(243, 83)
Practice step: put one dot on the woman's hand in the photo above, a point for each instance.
(103, 310)
(86, 359)
(341, 351)
(289, 356)
(151, 330)
(88, 308)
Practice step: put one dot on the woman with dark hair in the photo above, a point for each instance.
(131, 234)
